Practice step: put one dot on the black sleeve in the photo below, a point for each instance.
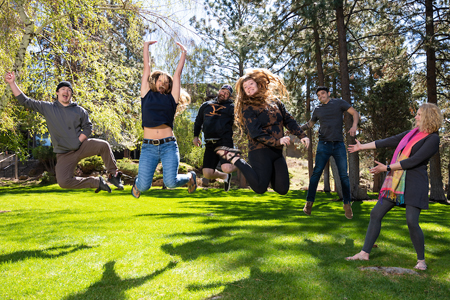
(290, 123)
(429, 148)
(199, 119)
(392, 141)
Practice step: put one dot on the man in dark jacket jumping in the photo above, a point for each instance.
(216, 118)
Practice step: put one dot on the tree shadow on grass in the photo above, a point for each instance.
(257, 242)
(111, 286)
(49, 253)
(259, 285)
(208, 244)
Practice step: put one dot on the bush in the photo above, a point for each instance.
(91, 164)
(183, 168)
(48, 178)
(184, 132)
(195, 157)
(128, 167)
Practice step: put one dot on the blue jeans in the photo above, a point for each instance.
(169, 156)
(324, 151)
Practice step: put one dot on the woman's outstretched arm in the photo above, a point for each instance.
(145, 85)
(176, 88)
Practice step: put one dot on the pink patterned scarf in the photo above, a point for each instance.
(394, 184)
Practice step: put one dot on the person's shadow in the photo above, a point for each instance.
(111, 286)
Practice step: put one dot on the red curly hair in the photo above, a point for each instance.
(270, 88)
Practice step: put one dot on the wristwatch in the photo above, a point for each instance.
(388, 168)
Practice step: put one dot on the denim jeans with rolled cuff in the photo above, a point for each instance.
(324, 151)
(169, 155)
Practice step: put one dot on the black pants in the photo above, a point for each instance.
(210, 158)
(266, 166)
(412, 220)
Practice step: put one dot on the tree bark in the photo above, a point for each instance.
(353, 158)
(448, 184)
(20, 57)
(326, 177)
(321, 77)
(309, 131)
(337, 179)
(437, 189)
(319, 63)
(16, 167)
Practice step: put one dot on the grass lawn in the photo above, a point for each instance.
(75, 244)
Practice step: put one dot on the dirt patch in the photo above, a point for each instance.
(390, 270)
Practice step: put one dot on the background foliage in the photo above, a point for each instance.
(98, 46)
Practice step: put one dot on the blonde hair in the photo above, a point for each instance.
(185, 98)
(270, 88)
(183, 102)
(431, 118)
(154, 77)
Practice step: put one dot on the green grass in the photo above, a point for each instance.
(75, 244)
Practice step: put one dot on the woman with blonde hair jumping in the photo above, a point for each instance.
(162, 99)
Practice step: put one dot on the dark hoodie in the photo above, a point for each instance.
(216, 120)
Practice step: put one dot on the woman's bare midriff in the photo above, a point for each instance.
(158, 132)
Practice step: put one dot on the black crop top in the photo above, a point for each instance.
(158, 109)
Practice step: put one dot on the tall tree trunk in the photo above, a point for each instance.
(337, 179)
(321, 77)
(326, 177)
(437, 189)
(309, 131)
(353, 158)
(20, 56)
(448, 184)
(319, 63)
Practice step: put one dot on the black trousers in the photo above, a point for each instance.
(266, 166)
(412, 220)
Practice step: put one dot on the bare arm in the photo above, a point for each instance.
(307, 125)
(176, 88)
(358, 146)
(10, 78)
(355, 116)
(145, 85)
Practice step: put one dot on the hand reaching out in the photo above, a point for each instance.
(354, 148)
(378, 168)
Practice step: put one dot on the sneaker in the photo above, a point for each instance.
(115, 180)
(103, 186)
(227, 183)
(348, 211)
(308, 207)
